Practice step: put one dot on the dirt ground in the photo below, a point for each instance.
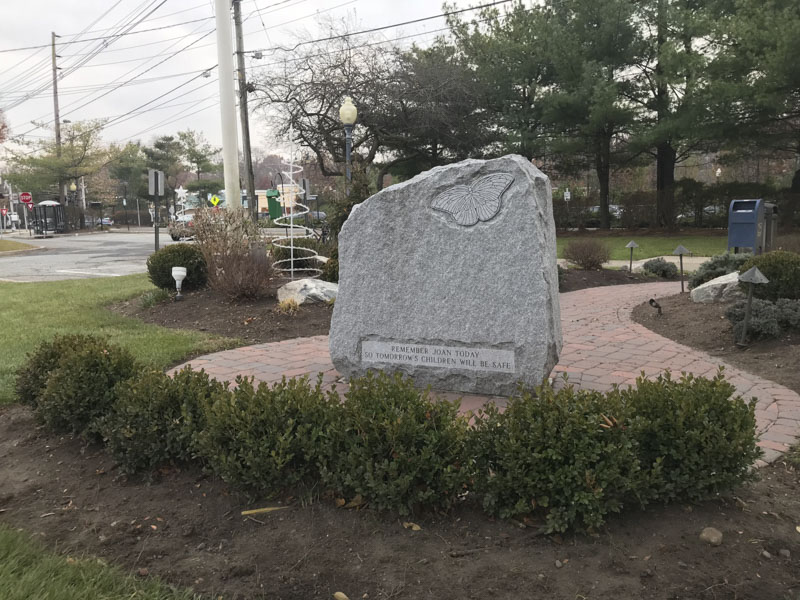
(252, 321)
(578, 279)
(187, 529)
(704, 326)
(259, 322)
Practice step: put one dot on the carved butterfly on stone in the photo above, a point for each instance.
(468, 204)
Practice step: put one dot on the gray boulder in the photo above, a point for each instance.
(308, 291)
(451, 278)
(721, 289)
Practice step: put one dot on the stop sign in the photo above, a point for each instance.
(26, 197)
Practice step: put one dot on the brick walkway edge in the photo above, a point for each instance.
(602, 347)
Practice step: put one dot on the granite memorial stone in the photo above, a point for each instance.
(451, 278)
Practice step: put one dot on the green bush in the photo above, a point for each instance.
(587, 253)
(661, 268)
(81, 388)
(155, 417)
(693, 438)
(564, 454)
(154, 297)
(32, 375)
(782, 268)
(396, 447)
(330, 270)
(265, 439)
(767, 319)
(717, 266)
(160, 263)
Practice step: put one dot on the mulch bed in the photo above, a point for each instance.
(251, 321)
(187, 528)
(578, 279)
(259, 322)
(705, 327)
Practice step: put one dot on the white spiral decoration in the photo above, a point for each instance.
(289, 194)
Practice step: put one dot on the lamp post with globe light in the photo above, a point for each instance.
(348, 114)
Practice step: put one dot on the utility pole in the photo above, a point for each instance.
(243, 113)
(227, 104)
(53, 36)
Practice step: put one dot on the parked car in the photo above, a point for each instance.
(182, 228)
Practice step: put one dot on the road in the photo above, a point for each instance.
(80, 256)
(110, 254)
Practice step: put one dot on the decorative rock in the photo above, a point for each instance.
(307, 291)
(784, 553)
(451, 278)
(721, 289)
(712, 536)
(559, 564)
(766, 555)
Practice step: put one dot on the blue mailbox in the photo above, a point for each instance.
(752, 225)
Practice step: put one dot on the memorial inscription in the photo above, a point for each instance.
(428, 355)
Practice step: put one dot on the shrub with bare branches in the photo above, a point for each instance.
(587, 253)
(237, 260)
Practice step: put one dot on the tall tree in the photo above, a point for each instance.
(509, 52)
(597, 44)
(197, 152)
(671, 88)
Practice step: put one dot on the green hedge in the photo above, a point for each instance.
(154, 418)
(661, 268)
(160, 263)
(570, 457)
(782, 268)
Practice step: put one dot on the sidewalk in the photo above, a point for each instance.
(602, 347)
(690, 263)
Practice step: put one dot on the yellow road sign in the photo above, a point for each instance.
(215, 200)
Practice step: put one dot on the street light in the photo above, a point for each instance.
(348, 114)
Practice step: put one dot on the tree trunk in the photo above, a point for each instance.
(665, 185)
(603, 168)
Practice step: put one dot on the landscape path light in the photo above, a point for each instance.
(680, 251)
(178, 274)
(754, 277)
(631, 245)
(348, 113)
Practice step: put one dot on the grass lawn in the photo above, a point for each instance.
(35, 312)
(28, 571)
(708, 244)
(11, 245)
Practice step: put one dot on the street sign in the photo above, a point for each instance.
(26, 197)
(30, 205)
(567, 196)
(124, 202)
(3, 211)
(215, 200)
(155, 182)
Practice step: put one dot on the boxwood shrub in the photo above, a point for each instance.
(31, 377)
(160, 263)
(782, 268)
(396, 447)
(265, 439)
(693, 437)
(155, 418)
(563, 454)
(81, 389)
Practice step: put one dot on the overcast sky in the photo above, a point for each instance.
(26, 76)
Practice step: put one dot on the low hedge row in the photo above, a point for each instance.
(571, 457)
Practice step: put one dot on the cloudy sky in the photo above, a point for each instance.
(104, 75)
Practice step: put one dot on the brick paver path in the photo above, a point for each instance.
(602, 346)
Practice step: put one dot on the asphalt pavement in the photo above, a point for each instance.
(89, 255)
